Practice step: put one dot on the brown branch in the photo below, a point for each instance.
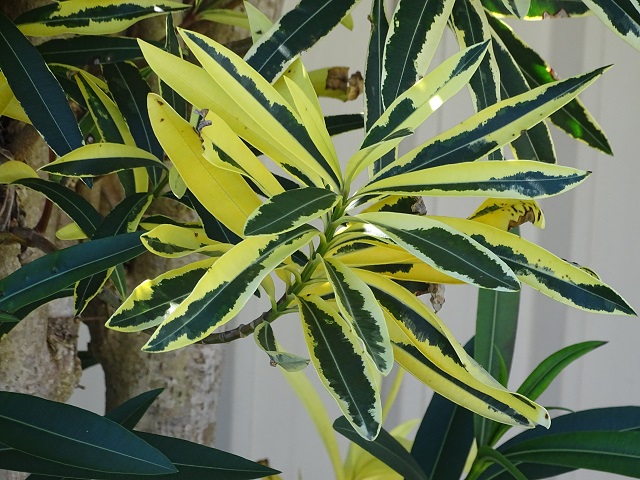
(240, 331)
(28, 237)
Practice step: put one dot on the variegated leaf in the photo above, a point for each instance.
(225, 194)
(173, 241)
(295, 32)
(374, 106)
(265, 338)
(224, 149)
(99, 17)
(358, 305)
(443, 248)
(621, 16)
(414, 34)
(226, 288)
(414, 106)
(341, 366)
(544, 271)
(101, 159)
(509, 179)
(259, 107)
(573, 118)
(505, 214)
(259, 23)
(289, 210)
(427, 349)
(492, 127)
(153, 300)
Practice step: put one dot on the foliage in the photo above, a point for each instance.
(349, 260)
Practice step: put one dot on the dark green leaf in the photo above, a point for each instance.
(87, 359)
(172, 45)
(50, 431)
(573, 118)
(374, 106)
(130, 412)
(385, 448)
(37, 90)
(27, 309)
(130, 91)
(542, 9)
(56, 271)
(90, 50)
(296, 31)
(214, 229)
(78, 209)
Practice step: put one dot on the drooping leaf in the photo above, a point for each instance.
(573, 118)
(90, 50)
(444, 248)
(414, 33)
(340, 364)
(55, 271)
(226, 288)
(509, 179)
(98, 159)
(37, 90)
(174, 241)
(544, 271)
(266, 339)
(225, 194)
(172, 45)
(295, 32)
(359, 306)
(152, 300)
(385, 448)
(100, 445)
(622, 17)
(374, 106)
(290, 209)
(101, 17)
(491, 128)
(505, 214)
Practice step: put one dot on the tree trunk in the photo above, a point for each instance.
(39, 356)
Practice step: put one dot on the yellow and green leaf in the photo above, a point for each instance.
(265, 338)
(101, 159)
(153, 300)
(173, 241)
(505, 213)
(443, 248)
(340, 363)
(290, 209)
(358, 305)
(98, 17)
(509, 179)
(415, 105)
(225, 194)
(491, 128)
(544, 271)
(226, 16)
(226, 288)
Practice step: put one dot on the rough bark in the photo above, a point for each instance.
(40, 355)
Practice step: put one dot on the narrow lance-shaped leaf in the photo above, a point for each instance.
(358, 305)
(265, 338)
(101, 445)
(621, 16)
(90, 50)
(535, 143)
(55, 271)
(492, 127)
(152, 301)
(129, 413)
(341, 365)
(296, 31)
(573, 118)
(385, 448)
(290, 209)
(225, 194)
(101, 17)
(505, 213)
(174, 241)
(37, 90)
(415, 105)
(510, 179)
(172, 45)
(263, 109)
(226, 288)
(541, 9)
(374, 106)
(444, 248)
(414, 34)
(130, 90)
(544, 271)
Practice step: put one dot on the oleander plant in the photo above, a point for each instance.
(345, 244)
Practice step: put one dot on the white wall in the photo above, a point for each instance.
(594, 225)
